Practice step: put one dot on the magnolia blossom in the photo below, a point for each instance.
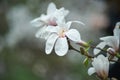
(53, 16)
(112, 41)
(100, 66)
(59, 37)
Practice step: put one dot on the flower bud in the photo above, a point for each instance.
(111, 51)
(83, 44)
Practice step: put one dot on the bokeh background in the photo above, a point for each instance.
(22, 56)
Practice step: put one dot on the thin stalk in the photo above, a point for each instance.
(87, 54)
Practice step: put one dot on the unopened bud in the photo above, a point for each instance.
(111, 51)
(83, 44)
(82, 50)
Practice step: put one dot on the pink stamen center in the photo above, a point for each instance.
(52, 22)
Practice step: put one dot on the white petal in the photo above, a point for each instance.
(101, 57)
(60, 20)
(63, 11)
(39, 32)
(100, 45)
(95, 63)
(37, 22)
(117, 30)
(53, 29)
(42, 33)
(68, 24)
(44, 18)
(61, 46)
(79, 22)
(91, 71)
(106, 38)
(101, 64)
(111, 41)
(51, 8)
(104, 63)
(50, 43)
(73, 35)
(60, 15)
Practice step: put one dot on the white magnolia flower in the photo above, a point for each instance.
(112, 41)
(59, 38)
(100, 66)
(53, 16)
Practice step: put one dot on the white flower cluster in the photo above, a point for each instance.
(56, 30)
(57, 33)
(112, 41)
(101, 63)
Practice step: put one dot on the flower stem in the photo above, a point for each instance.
(91, 46)
(87, 54)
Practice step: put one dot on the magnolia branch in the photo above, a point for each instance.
(88, 55)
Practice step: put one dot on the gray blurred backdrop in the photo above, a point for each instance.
(22, 55)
